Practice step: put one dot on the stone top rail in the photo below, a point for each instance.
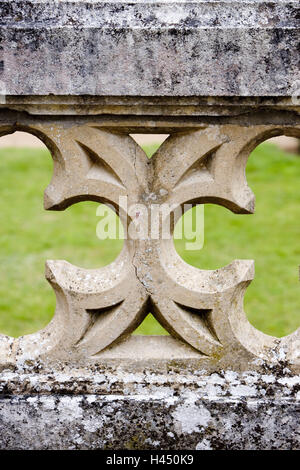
(150, 48)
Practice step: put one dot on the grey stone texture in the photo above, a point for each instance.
(110, 408)
(219, 77)
(150, 48)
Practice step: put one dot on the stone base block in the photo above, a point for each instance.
(121, 410)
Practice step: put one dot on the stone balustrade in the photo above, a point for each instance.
(220, 78)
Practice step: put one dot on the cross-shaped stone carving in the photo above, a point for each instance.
(96, 308)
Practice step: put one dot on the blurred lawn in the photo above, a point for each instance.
(29, 235)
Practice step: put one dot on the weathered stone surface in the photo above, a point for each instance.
(93, 422)
(139, 48)
(84, 382)
(220, 77)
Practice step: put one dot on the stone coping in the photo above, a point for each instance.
(174, 48)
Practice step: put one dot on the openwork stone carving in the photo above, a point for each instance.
(96, 309)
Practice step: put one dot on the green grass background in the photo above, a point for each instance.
(29, 235)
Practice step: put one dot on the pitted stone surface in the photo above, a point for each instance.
(98, 309)
(112, 408)
(142, 48)
(220, 77)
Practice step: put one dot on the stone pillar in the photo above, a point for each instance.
(219, 78)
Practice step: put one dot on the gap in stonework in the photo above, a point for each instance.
(150, 143)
